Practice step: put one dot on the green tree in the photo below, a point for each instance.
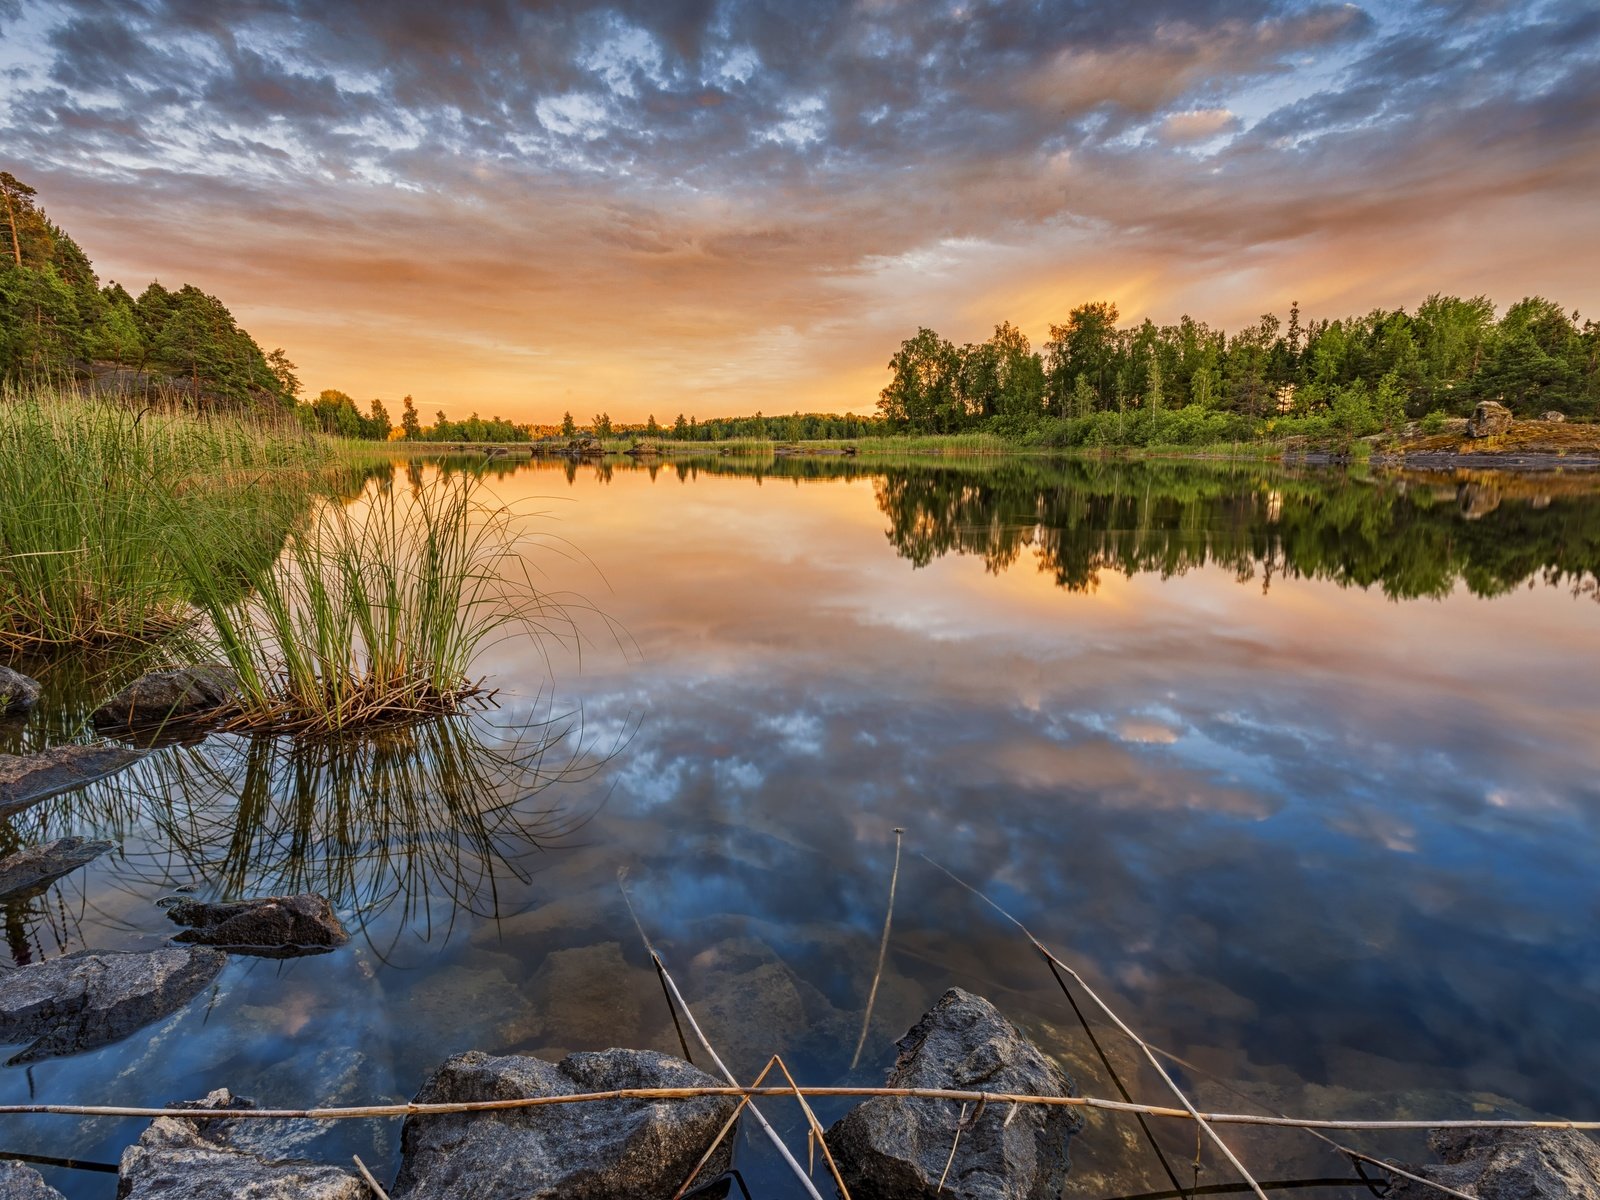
(568, 429)
(409, 424)
(283, 373)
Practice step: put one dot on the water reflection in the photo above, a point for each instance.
(424, 823)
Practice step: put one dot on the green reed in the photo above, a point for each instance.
(376, 610)
(95, 495)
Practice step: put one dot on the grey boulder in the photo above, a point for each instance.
(89, 999)
(1489, 418)
(18, 693)
(36, 867)
(183, 1158)
(268, 926)
(29, 778)
(18, 1181)
(1508, 1164)
(594, 1150)
(898, 1148)
(1554, 415)
(184, 694)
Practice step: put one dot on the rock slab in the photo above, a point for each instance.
(1490, 417)
(18, 693)
(268, 926)
(1508, 1164)
(35, 868)
(29, 778)
(185, 694)
(182, 1158)
(18, 1181)
(89, 999)
(897, 1148)
(596, 1150)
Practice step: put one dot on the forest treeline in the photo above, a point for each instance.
(1095, 381)
(58, 323)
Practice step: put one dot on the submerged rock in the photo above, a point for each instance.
(897, 1148)
(1508, 1164)
(35, 868)
(1489, 418)
(597, 1150)
(29, 778)
(182, 1158)
(185, 694)
(18, 1181)
(89, 999)
(268, 926)
(18, 693)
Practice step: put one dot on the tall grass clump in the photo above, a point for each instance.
(94, 496)
(376, 610)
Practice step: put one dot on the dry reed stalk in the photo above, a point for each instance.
(883, 949)
(816, 1128)
(377, 1188)
(466, 1106)
(705, 1044)
(961, 1122)
(1155, 1062)
(733, 1118)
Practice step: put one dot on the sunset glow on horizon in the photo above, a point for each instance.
(721, 206)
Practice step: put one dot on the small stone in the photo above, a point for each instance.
(1553, 415)
(35, 868)
(26, 779)
(890, 1147)
(183, 1158)
(18, 1181)
(185, 694)
(1508, 1164)
(89, 999)
(1488, 419)
(595, 1150)
(267, 927)
(18, 693)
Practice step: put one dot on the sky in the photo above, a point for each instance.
(722, 206)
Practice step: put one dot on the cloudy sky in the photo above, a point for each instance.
(719, 206)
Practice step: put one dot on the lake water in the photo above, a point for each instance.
(1300, 771)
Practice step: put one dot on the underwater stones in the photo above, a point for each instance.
(1489, 418)
(29, 778)
(468, 1004)
(1508, 1164)
(18, 1181)
(596, 1150)
(267, 927)
(18, 693)
(184, 694)
(89, 999)
(897, 1148)
(183, 1158)
(589, 995)
(36, 867)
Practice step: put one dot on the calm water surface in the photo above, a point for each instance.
(1300, 771)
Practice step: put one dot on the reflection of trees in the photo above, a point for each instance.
(440, 814)
(1081, 519)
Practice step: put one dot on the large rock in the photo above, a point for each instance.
(182, 1158)
(1489, 418)
(1508, 1164)
(89, 999)
(29, 778)
(268, 927)
(37, 867)
(18, 1181)
(897, 1148)
(18, 693)
(185, 694)
(595, 1150)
